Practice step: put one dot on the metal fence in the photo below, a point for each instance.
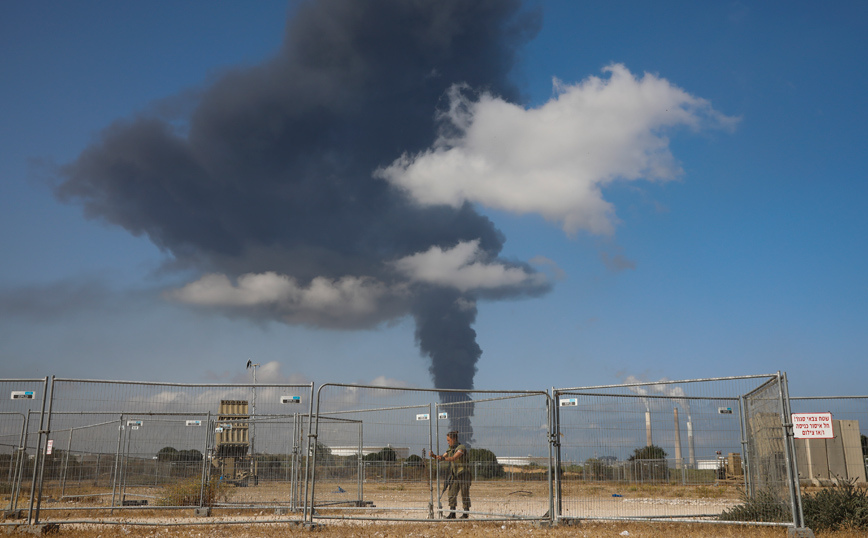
(675, 450)
(822, 462)
(21, 420)
(122, 446)
(386, 436)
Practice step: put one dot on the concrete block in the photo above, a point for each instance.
(835, 453)
(801, 458)
(852, 442)
(202, 512)
(818, 464)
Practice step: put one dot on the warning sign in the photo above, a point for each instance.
(812, 426)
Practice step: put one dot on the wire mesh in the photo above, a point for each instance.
(665, 449)
(386, 438)
(827, 462)
(681, 450)
(21, 402)
(129, 445)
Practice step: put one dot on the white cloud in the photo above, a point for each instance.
(462, 267)
(555, 159)
(346, 301)
(391, 382)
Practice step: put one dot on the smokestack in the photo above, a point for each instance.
(691, 452)
(648, 427)
(678, 462)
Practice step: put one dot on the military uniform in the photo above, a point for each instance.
(460, 471)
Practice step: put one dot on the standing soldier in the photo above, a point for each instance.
(459, 474)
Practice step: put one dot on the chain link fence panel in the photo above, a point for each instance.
(384, 438)
(21, 418)
(680, 450)
(127, 446)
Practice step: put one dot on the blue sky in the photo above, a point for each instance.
(751, 260)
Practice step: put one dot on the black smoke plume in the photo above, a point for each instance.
(272, 170)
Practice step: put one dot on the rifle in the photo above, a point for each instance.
(446, 484)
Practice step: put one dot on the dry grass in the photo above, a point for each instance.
(467, 529)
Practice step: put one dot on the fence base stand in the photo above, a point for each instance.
(802, 532)
(14, 514)
(202, 512)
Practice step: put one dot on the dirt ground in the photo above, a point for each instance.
(335, 499)
(466, 529)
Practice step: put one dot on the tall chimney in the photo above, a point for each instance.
(678, 462)
(648, 426)
(691, 452)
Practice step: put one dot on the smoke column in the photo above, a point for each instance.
(444, 333)
(266, 189)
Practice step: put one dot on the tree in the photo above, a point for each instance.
(650, 452)
(648, 463)
(597, 469)
(415, 460)
(167, 453)
(386, 454)
(484, 463)
(189, 455)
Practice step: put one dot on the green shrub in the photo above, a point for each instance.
(836, 508)
(386, 454)
(187, 493)
(763, 507)
(484, 463)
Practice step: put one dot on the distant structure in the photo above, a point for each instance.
(825, 461)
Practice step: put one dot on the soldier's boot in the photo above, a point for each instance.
(465, 515)
(451, 513)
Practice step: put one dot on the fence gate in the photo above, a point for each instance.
(120, 447)
(383, 437)
(680, 450)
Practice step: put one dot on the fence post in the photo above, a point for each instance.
(742, 417)
(790, 454)
(431, 418)
(552, 472)
(309, 467)
(38, 457)
(205, 464)
(555, 419)
(362, 466)
(117, 457)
